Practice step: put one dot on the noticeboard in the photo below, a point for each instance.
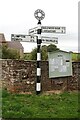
(60, 64)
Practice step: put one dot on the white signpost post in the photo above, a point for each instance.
(35, 37)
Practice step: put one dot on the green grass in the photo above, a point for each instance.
(42, 106)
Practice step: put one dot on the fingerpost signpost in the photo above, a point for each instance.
(36, 37)
(39, 15)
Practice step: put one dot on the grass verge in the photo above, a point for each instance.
(64, 105)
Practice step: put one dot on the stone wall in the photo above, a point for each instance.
(20, 76)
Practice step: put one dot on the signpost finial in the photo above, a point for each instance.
(39, 14)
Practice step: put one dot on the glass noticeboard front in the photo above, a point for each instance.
(60, 64)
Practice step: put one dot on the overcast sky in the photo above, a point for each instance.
(17, 17)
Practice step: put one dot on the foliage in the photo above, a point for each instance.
(4, 50)
(0, 51)
(44, 51)
(76, 56)
(64, 105)
(27, 56)
(8, 53)
(44, 54)
(34, 54)
(52, 48)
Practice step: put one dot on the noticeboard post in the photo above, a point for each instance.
(60, 64)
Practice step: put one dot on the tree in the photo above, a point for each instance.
(4, 50)
(44, 51)
(27, 56)
(52, 48)
(0, 51)
(34, 54)
(8, 53)
(44, 54)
